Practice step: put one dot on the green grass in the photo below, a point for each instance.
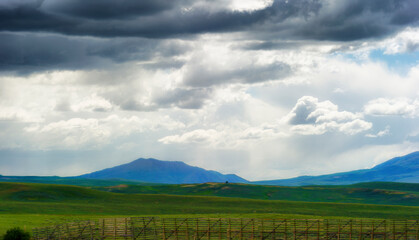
(29, 198)
(388, 193)
(69, 181)
(30, 205)
(413, 187)
(370, 193)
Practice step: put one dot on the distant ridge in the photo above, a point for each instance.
(398, 169)
(157, 171)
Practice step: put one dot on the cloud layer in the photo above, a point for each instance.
(254, 87)
(346, 20)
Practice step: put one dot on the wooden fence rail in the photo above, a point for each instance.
(229, 228)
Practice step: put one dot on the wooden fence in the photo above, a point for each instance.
(229, 228)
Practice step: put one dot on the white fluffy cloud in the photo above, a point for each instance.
(381, 133)
(227, 138)
(18, 114)
(199, 136)
(395, 106)
(311, 117)
(249, 5)
(93, 132)
(92, 103)
(406, 41)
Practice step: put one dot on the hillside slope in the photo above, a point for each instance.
(372, 193)
(29, 198)
(399, 169)
(157, 171)
(75, 181)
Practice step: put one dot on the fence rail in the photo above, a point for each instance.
(230, 228)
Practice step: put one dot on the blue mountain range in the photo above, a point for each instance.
(399, 169)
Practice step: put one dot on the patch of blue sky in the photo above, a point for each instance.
(348, 56)
(399, 62)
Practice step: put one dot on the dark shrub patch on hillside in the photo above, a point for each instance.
(16, 234)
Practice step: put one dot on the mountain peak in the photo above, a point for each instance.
(158, 171)
(410, 161)
(155, 161)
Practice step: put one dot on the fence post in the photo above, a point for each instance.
(360, 231)
(219, 230)
(394, 230)
(339, 229)
(114, 229)
(126, 228)
(241, 228)
(318, 229)
(327, 229)
(155, 227)
(196, 230)
(372, 230)
(145, 228)
(187, 229)
(261, 230)
(417, 230)
(58, 232)
(176, 230)
(229, 228)
(132, 229)
(103, 228)
(306, 229)
(253, 229)
(164, 229)
(273, 229)
(91, 231)
(209, 229)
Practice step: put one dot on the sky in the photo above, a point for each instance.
(266, 89)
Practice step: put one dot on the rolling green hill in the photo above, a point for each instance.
(371, 193)
(25, 198)
(32, 204)
(69, 181)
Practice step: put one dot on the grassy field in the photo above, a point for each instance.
(29, 204)
(388, 193)
(70, 181)
(370, 193)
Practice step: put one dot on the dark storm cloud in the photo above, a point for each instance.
(109, 19)
(297, 19)
(32, 32)
(106, 9)
(28, 52)
(359, 19)
(267, 45)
